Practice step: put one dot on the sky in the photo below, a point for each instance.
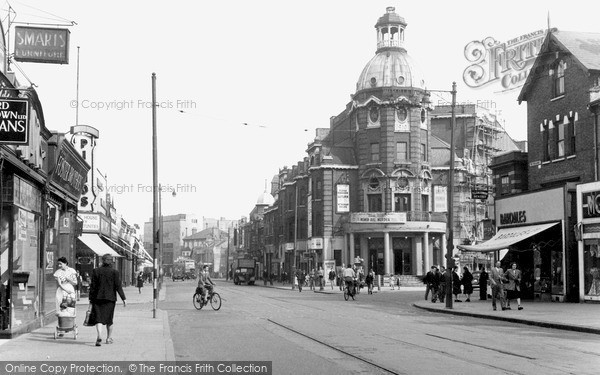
(243, 85)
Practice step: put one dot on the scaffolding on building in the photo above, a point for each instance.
(481, 145)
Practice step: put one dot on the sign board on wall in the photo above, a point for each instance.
(42, 45)
(440, 198)
(343, 198)
(14, 122)
(316, 243)
(378, 217)
(91, 222)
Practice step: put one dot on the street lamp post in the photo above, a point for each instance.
(450, 221)
(450, 245)
(155, 197)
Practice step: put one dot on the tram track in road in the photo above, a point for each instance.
(340, 350)
(425, 348)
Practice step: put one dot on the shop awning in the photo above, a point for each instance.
(506, 237)
(96, 244)
(119, 246)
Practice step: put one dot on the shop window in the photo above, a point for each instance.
(402, 202)
(591, 268)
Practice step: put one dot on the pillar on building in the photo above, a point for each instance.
(387, 253)
(351, 255)
(444, 240)
(426, 255)
(418, 256)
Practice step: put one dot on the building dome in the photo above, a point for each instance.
(265, 199)
(390, 69)
(391, 66)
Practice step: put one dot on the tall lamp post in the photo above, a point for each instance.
(450, 245)
(450, 221)
(155, 197)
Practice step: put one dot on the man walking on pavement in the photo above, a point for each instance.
(428, 280)
(496, 280)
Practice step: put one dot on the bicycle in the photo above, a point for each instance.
(213, 297)
(350, 293)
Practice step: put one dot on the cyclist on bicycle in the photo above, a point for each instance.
(349, 277)
(205, 283)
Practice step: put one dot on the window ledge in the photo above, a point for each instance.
(545, 162)
(558, 97)
(571, 156)
(558, 159)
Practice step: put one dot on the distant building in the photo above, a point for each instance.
(175, 229)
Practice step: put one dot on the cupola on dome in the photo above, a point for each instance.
(391, 66)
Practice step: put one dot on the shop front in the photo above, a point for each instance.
(587, 232)
(531, 233)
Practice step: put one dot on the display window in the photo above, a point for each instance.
(24, 302)
(591, 269)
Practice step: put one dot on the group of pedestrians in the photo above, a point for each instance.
(435, 282)
(506, 286)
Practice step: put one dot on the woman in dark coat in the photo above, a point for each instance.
(106, 283)
(467, 282)
(483, 281)
(456, 284)
(140, 281)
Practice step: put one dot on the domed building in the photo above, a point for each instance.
(363, 193)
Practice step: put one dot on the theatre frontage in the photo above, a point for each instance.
(535, 230)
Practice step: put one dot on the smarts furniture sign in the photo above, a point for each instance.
(42, 45)
(14, 128)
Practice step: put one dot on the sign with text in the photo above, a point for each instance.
(316, 243)
(14, 122)
(440, 198)
(590, 203)
(91, 222)
(42, 45)
(479, 194)
(343, 198)
(378, 217)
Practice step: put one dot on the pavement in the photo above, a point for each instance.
(137, 335)
(140, 336)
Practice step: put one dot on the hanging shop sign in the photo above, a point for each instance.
(479, 194)
(42, 45)
(14, 122)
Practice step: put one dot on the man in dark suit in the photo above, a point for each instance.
(106, 283)
(496, 281)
